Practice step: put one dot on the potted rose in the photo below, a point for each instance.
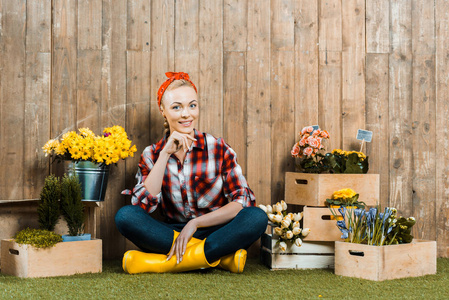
(321, 174)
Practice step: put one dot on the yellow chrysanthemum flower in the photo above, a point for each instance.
(86, 132)
(344, 194)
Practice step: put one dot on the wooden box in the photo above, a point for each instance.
(385, 262)
(322, 227)
(314, 189)
(311, 255)
(65, 258)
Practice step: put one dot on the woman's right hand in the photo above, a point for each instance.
(177, 141)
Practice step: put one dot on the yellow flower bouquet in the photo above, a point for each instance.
(106, 149)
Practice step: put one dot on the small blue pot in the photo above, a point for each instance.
(74, 238)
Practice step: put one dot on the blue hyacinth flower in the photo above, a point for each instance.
(342, 211)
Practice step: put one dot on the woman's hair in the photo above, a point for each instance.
(173, 86)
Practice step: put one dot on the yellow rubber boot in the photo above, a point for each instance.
(140, 262)
(129, 254)
(234, 262)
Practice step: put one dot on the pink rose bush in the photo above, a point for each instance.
(307, 148)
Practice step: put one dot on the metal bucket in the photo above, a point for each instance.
(93, 178)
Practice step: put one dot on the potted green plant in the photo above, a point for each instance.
(48, 209)
(72, 209)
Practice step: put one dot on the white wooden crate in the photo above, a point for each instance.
(311, 255)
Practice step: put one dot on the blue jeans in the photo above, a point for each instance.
(154, 236)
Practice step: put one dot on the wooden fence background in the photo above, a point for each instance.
(264, 70)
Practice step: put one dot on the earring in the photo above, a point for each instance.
(165, 123)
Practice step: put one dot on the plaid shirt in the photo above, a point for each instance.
(209, 178)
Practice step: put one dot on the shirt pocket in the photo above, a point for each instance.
(207, 191)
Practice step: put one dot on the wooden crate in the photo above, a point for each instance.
(314, 189)
(322, 228)
(66, 258)
(311, 255)
(385, 262)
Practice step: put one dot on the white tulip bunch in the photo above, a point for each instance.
(287, 224)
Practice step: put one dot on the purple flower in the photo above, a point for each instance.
(106, 134)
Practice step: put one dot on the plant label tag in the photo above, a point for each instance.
(364, 135)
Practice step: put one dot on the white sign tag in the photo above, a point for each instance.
(364, 135)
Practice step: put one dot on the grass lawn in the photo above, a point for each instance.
(257, 282)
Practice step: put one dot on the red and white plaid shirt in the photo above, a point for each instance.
(209, 178)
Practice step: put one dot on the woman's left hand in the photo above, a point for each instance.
(180, 244)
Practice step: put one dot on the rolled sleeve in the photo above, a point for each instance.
(140, 195)
(235, 186)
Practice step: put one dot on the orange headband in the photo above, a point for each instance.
(172, 76)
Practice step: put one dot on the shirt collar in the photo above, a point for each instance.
(199, 136)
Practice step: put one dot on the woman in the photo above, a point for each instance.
(210, 210)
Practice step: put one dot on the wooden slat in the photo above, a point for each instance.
(137, 107)
(37, 96)
(377, 120)
(283, 92)
(282, 25)
(89, 24)
(234, 104)
(423, 132)
(162, 58)
(138, 25)
(329, 105)
(378, 26)
(211, 67)
(37, 122)
(89, 90)
(283, 123)
(442, 126)
(12, 99)
(64, 68)
(38, 29)
(306, 64)
(113, 112)
(423, 27)
(330, 20)
(423, 117)
(235, 18)
(186, 39)
(258, 101)
(353, 72)
(400, 105)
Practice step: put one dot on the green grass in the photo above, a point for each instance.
(257, 282)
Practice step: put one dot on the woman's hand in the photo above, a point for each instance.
(176, 141)
(180, 244)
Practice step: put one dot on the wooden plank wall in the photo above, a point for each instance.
(264, 69)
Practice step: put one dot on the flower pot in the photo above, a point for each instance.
(61, 260)
(75, 238)
(314, 189)
(379, 263)
(93, 178)
(311, 255)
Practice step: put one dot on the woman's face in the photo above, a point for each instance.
(180, 108)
